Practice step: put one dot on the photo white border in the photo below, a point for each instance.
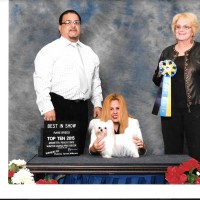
(67, 191)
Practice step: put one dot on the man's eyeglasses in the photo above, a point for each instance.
(69, 22)
(183, 27)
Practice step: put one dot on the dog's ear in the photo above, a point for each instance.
(110, 122)
(110, 125)
(92, 124)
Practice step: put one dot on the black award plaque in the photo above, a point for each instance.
(59, 138)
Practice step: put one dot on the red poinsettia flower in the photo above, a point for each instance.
(186, 173)
(198, 180)
(53, 181)
(47, 180)
(11, 173)
(183, 178)
(41, 181)
(173, 175)
(187, 166)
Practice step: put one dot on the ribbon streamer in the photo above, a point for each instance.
(163, 100)
(167, 69)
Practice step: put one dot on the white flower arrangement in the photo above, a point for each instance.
(18, 173)
(20, 163)
(23, 176)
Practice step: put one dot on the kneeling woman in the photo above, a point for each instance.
(115, 109)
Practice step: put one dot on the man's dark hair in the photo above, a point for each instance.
(66, 12)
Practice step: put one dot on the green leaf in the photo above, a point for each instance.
(191, 178)
(59, 177)
(13, 167)
(191, 171)
(9, 181)
(47, 177)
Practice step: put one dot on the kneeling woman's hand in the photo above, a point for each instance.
(140, 144)
(98, 145)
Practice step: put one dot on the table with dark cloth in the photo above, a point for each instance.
(93, 169)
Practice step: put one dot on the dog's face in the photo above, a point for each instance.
(104, 128)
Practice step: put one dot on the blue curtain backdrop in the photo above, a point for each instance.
(111, 179)
(128, 36)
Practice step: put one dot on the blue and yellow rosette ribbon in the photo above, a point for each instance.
(167, 69)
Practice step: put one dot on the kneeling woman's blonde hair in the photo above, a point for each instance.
(123, 113)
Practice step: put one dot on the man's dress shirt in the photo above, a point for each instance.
(55, 71)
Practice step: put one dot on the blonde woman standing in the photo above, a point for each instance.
(184, 121)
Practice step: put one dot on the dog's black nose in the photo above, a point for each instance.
(100, 129)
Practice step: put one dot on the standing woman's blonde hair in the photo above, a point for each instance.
(192, 17)
(123, 114)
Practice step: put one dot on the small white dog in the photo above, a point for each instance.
(116, 145)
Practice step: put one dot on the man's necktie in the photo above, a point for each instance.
(81, 70)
